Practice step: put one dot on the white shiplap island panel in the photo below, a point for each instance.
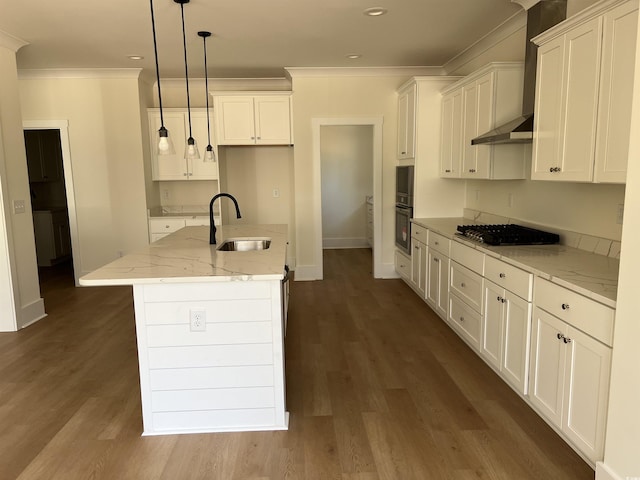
(229, 377)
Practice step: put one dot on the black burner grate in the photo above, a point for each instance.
(508, 234)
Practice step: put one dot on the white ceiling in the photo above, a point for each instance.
(251, 38)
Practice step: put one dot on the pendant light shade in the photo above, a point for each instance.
(163, 141)
(209, 154)
(191, 150)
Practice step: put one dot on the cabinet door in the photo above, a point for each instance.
(403, 265)
(485, 122)
(437, 290)
(406, 123)
(492, 326)
(616, 89)
(581, 101)
(235, 120)
(548, 354)
(587, 367)
(548, 116)
(199, 169)
(169, 167)
(469, 129)
(465, 320)
(416, 263)
(451, 138)
(516, 340)
(272, 120)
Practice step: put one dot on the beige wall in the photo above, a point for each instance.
(346, 153)
(18, 242)
(341, 96)
(104, 116)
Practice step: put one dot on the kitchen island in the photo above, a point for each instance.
(209, 329)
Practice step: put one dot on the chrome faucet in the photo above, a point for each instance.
(212, 225)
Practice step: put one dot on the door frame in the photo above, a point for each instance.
(376, 122)
(63, 127)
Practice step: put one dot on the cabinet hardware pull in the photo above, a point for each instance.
(498, 298)
(502, 275)
(437, 243)
(462, 319)
(565, 306)
(462, 285)
(566, 340)
(472, 170)
(403, 153)
(503, 300)
(436, 260)
(447, 171)
(560, 336)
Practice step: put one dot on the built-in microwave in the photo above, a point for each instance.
(404, 185)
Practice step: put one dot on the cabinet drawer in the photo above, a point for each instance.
(419, 233)
(591, 317)
(439, 243)
(466, 320)
(403, 265)
(466, 284)
(197, 221)
(467, 256)
(165, 225)
(509, 277)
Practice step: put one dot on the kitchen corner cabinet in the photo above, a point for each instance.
(44, 155)
(473, 106)
(570, 365)
(407, 122)
(176, 167)
(253, 119)
(583, 95)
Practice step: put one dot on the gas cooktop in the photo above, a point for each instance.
(508, 234)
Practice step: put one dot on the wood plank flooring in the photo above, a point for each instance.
(378, 388)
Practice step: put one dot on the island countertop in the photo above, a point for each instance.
(186, 257)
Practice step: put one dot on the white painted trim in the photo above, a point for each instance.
(33, 312)
(79, 73)
(363, 71)
(11, 42)
(63, 126)
(231, 84)
(376, 122)
(501, 32)
(526, 4)
(8, 318)
(305, 273)
(389, 271)
(603, 472)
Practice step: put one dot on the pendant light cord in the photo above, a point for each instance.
(206, 86)
(155, 49)
(186, 69)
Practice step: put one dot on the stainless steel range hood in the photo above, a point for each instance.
(540, 17)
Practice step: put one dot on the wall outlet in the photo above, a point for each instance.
(198, 320)
(510, 200)
(276, 193)
(19, 206)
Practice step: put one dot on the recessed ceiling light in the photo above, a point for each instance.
(135, 57)
(375, 11)
(353, 56)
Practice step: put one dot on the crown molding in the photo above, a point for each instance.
(12, 43)
(232, 84)
(526, 4)
(79, 73)
(503, 31)
(363, 71)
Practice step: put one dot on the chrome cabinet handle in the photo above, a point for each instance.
(403, 153)
(447, 171)
(499, 298)
(565, 306)
(503, 275)
(554, 169)
(566, 340)
(560, 336)
(472, 170)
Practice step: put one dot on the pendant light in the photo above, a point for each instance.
(209, 154)
(163, 142)
(191, 150)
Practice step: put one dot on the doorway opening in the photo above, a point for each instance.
(52, 201)
(347, 170)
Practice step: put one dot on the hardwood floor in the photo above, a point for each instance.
(378, 388)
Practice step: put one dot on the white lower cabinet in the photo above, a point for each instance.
(418, 266)
(403, 265)
(569, 375)
(505, 334)
(437, 293)
(162, 226)
(466, 321)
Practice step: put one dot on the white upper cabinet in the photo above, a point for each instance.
(473, 106)
(583, 94)
(176, 167)
(407, 122)
(253, 119)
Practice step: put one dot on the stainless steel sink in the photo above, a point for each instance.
(244, 244)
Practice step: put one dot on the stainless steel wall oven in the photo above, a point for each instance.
(404, 207)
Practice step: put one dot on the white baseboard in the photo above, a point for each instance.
(603, 472)
(346, 242)
(388, 271)
(31, 313)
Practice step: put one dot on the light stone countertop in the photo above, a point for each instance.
(186, 257)
(594, 276)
